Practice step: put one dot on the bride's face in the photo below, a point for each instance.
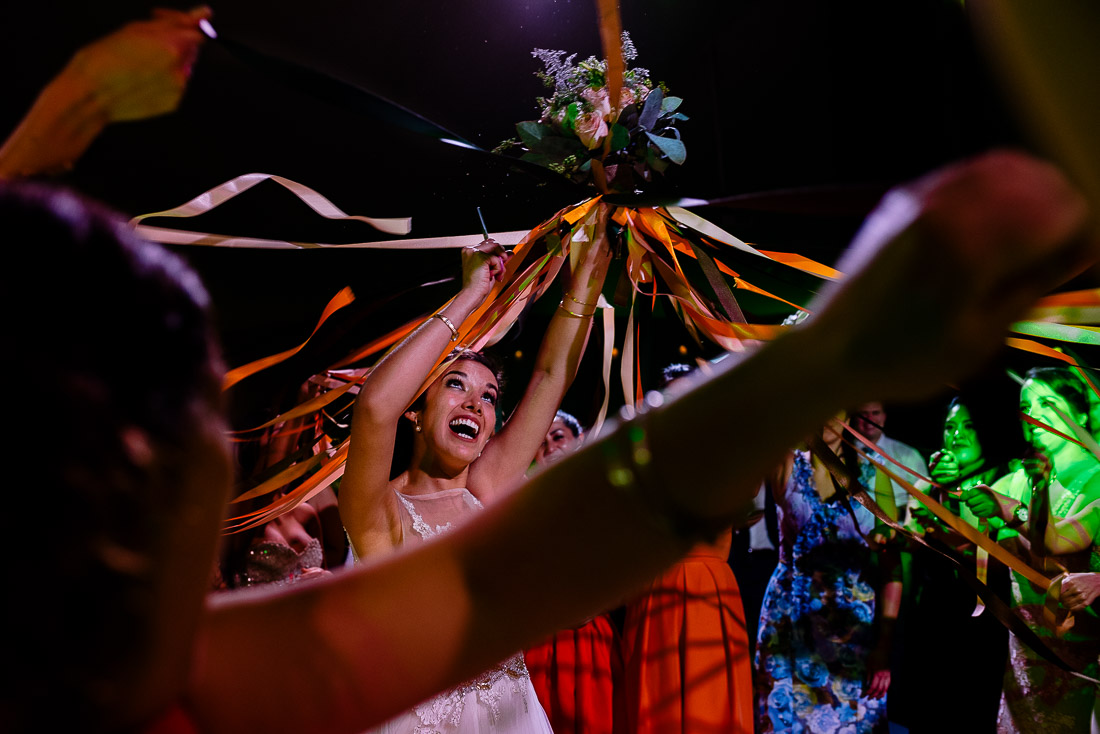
(459, 413)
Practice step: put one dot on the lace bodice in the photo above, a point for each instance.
(499, 700)
(424, 516)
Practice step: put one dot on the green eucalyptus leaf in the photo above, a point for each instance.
(651, 109)
(671, 103)
(620, 137)
(571, 113)
(655, 161)
(678, 116)
(671, 147)
(532, 133)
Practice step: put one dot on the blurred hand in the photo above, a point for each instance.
(944, 467)
(313, 573)
(984, 502)
(949, 261)
(140, 70)
(878, 672)
(1079, 590)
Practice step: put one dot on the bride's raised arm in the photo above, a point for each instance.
(509, 454)
(366, 505)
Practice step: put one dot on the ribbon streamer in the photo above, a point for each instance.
(222, 193)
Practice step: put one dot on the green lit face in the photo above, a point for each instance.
(1041, 402)
(960, 438)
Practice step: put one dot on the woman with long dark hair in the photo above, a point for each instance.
(1050, 508)
(980, 445)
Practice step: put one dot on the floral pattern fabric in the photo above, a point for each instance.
(816, 626)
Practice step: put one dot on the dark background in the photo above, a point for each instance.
(841, 98)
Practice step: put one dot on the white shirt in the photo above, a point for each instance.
(907, 456)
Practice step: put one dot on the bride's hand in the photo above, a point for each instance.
(483, 265)
(595, 256)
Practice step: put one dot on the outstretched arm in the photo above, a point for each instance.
(365, 645)
(1075, 532)
(365, 504)
(138, 71)
(510, 453)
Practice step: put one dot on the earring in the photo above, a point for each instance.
(418, 428)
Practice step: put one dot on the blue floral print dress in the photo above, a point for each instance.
(816, 626)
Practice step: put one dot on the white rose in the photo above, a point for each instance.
(591, 128)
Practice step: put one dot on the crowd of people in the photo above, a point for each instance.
(515, 576)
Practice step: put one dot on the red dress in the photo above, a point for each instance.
(575, 674)
(686, 651)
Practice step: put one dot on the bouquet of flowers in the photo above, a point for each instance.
(583, 136)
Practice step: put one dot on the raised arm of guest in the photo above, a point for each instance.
(138, 71)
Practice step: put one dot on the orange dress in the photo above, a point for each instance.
(575, 673)
(686, 651)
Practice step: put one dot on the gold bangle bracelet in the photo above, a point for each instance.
(574, 313)
(447, 322)
(574, 299)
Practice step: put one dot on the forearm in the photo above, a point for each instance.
(394, 382)
(563, 344)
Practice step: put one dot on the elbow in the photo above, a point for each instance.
(375, 406)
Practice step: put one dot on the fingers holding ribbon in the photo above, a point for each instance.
(483, 264)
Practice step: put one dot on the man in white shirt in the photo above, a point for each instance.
(870, 420)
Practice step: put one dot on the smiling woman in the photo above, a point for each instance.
(459, 461)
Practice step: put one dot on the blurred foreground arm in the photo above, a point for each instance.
(945, 263)
(138, 71)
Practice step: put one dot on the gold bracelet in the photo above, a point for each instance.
(447, 322)
(572, 298)
(574, 313)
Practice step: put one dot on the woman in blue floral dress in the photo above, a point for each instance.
(821, 662)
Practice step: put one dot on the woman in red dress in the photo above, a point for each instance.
(685, 646)
(576, 671)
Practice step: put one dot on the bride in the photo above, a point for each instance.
(460, 461)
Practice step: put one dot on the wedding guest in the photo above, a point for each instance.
(576, 672)
(685, 645)
(943, 631)
(1051, 510)
(870, 420)
(828, 619)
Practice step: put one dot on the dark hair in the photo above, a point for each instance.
(107, 333)
(1069, 385)
(674, 372)
(571, 423)
(991, 398)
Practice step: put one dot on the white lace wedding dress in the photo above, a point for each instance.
(500, 700)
